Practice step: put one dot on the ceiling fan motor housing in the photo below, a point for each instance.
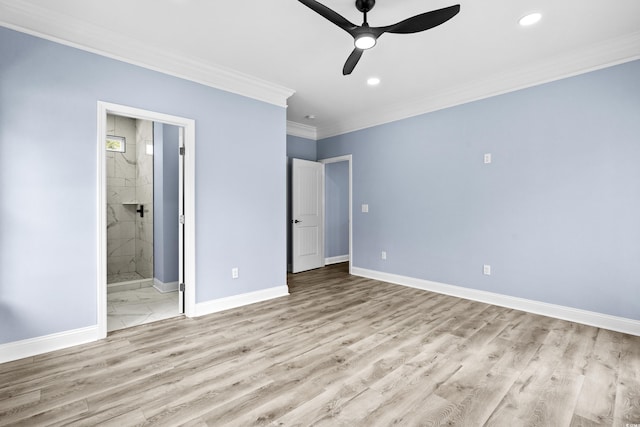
(365, 6)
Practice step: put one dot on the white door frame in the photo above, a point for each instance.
(345, 158)
(105, 108)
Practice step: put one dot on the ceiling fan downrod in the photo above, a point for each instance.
(365, 6)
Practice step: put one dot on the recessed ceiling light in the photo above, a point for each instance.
(373, 81)
(530, 19)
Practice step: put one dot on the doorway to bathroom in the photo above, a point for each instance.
(142, 194)
(144, 186)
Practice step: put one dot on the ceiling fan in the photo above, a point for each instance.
(365, 36)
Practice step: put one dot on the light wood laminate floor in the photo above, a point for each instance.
(339, 351)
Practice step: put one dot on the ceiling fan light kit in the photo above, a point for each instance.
(365, 41)
(365, 37)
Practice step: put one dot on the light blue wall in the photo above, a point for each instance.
(301, 148)
(48, 217)
(165, 200)
(556, 215)
(336, 219)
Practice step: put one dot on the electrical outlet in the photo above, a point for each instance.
(487, 158)
(365, 208)
(486, 270)
(383, 255)
(234, 273)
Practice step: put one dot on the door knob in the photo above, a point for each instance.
(296, 221)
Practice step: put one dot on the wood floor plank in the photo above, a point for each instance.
(521, 400)
(324, 406)
(557, 403)
(132, 418)
(49, 416)
(596, 402)
(627, 403)
(397, 407)
(578, 421)
(338, 351)
(16, 402)
(630, 357)
(477, 391)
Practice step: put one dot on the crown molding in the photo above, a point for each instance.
(60, 28)
(601, 55)
(57, 27)
(303, 131)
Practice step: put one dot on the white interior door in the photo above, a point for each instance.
(307, 216)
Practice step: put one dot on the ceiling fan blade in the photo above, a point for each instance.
(352, 60)
(329, 14)
(422, 22)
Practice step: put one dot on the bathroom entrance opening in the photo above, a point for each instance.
(145, 217)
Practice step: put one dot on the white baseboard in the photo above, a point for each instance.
(165, 287)
(39, 345)
(234, 301)
(34, 346)
(336, 259)
(591, 318)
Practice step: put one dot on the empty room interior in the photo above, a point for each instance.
(333, 212)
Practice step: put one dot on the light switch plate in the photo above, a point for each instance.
(486, 270)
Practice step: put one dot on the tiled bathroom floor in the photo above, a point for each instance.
(138, 306)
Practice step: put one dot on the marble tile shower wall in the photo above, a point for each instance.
(121, 187)
(144, 193)
(127, 234)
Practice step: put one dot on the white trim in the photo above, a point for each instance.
(303, 131)
(101, 279)
(345, 158)
(60, 28)
(595, 57)
(336, 259)
(105, 108)
(221, 304)
(190, 219)
(591, 318)
(34, 346)
(165, 287)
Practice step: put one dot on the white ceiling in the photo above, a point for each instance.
(274, 46)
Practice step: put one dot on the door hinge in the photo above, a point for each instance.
(181, 287)
(181, 219)
(182, 151)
